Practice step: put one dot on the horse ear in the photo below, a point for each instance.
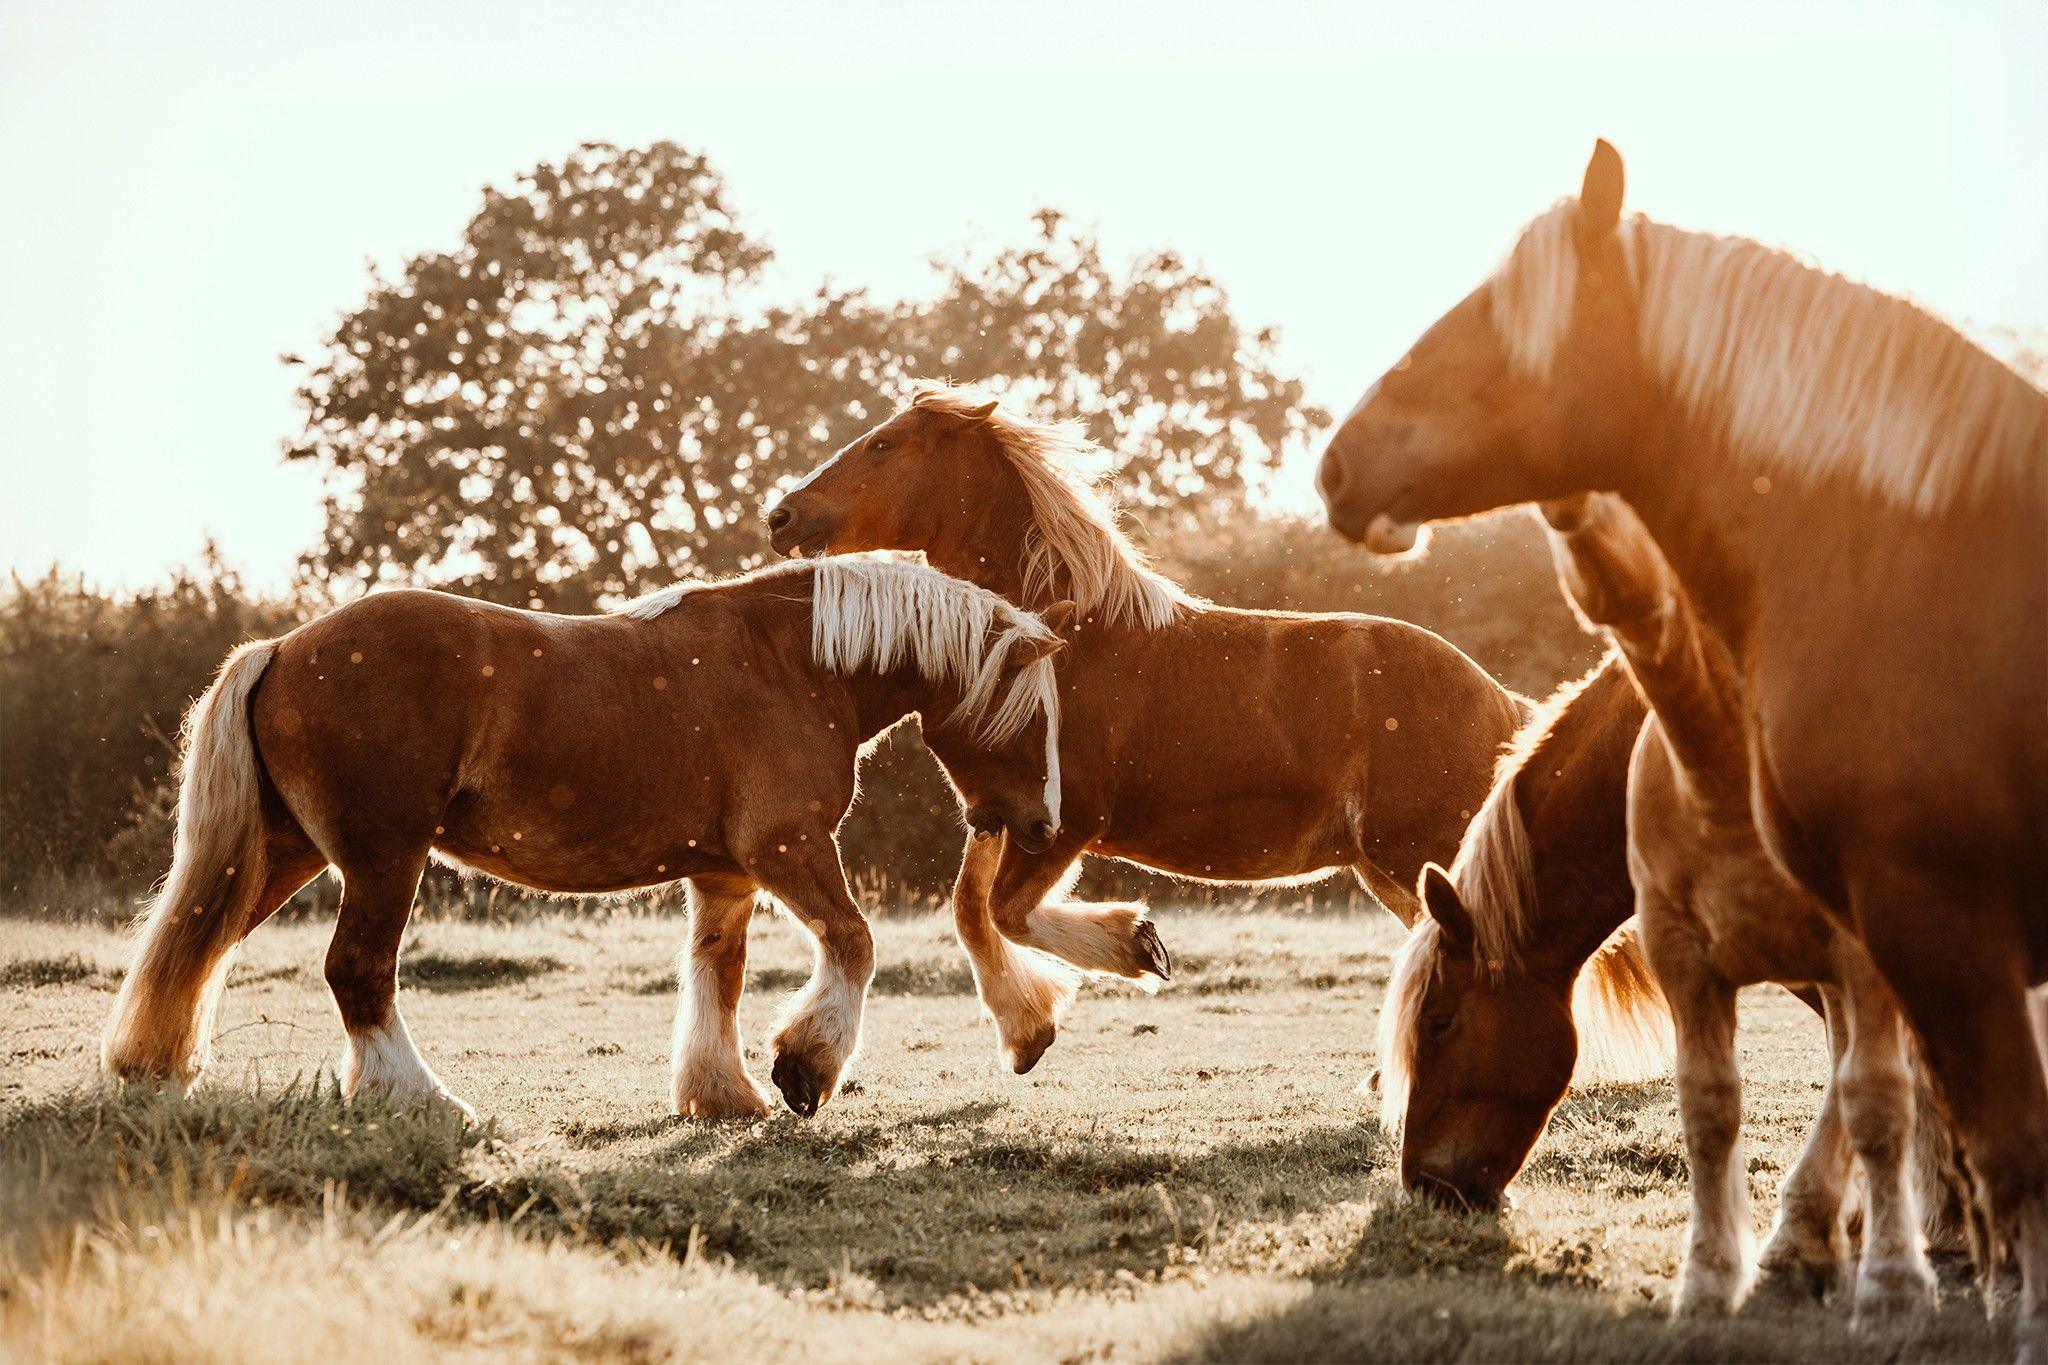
(1441, 899)
(1031, 648)
(979, 413)
(1600, 194)
(1060, 616)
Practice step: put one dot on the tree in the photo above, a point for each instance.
(587, 396)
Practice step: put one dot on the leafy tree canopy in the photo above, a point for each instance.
(589, 395)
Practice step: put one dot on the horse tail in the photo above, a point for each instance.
(1623, 1019)
(163, 1018)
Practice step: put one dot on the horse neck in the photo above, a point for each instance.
(881, 699)
(1575, 810)
(1625, 584)
(985, 543)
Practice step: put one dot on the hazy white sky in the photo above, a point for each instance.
(190, 189)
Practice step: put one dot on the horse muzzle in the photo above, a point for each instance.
(795, 531)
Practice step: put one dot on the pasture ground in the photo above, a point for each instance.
(1187, 1176)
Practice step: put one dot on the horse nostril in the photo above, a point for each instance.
(1044, 829)
(779, 518)
(1330, 475)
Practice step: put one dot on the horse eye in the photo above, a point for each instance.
(878, 447)
(1439, 1025)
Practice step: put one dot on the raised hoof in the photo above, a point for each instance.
(1025, 1055)
(803, 1089)
(1152, 955)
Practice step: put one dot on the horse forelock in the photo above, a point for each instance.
(1792, 369)
(1074, 546)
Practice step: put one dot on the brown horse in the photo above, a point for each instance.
(1524, 969)
(1518, 963)
(1717, 914)
(1856, 500)
(707, 732)
(1213, 744)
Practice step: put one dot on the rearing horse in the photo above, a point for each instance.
(1855, 499)
(1210, 743)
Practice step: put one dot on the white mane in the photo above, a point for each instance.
(881, 613)
(1795, 370)
(1074, 547)
(1623, 1021)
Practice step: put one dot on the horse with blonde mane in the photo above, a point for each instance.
(1525, 971)
(707, 732)
(1210, 743)
(1855, 499)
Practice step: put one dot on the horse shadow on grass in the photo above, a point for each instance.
(936, 1205)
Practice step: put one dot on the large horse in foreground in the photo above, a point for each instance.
(1855, 500)
(1210, 743)
(707, 732)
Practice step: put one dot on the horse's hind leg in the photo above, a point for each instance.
(1876, 1083)
(1113, 938)
(1805, 1256)
(362, 972)
(1716, 1269)
(708, 1070)
(820, 1031)
(1023, 992)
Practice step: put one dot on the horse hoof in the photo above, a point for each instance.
(1892, 1291)
(1794, 1280)
(1025, 1055)
(799, 1085)
(1151, 952)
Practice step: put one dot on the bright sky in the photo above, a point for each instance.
(192, 188)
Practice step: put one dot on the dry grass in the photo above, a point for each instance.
(1186, 1176)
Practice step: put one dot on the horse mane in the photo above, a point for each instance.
(1621, 1015)
(1793, 369)
(1495, 867)
(1073, 547)
(872, 612)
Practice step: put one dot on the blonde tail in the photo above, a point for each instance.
(162, 1027)
(1623, 1020)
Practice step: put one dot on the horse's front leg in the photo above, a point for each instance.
(1807, 1253)
(1023, 992)
(820, 1031)
(708, 1069)
(1877, 1102)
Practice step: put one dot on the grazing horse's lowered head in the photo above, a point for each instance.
(1515, 978)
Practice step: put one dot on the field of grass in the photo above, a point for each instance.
(1186, 1176)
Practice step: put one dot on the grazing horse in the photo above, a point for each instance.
(1524, 968)
(1718, 914)
(1856, 501)
(708, 732)
(1209, 743)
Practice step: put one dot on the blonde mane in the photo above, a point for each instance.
(1621, 1015)
(880, 613)
(1074, 547)
(1794, 370)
